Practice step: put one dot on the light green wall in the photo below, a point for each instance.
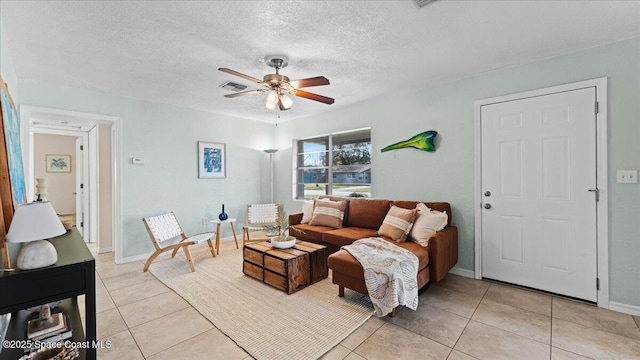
(447, 174)
(6, 66)
(166, 136)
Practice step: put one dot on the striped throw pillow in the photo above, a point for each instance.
(328, 213)
(397, 223)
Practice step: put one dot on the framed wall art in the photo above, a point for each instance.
(58, 163)
(12, 158)
(212, 161)
(12, 185)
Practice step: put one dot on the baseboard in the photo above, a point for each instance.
(624, 308)
(142, 257)
(105, 250)
(462, 272)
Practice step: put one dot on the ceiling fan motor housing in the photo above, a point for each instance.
(275, 79)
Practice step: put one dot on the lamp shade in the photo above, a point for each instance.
(34, 221)
(286, 101)
(272, 100)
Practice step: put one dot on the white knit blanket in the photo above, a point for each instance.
(389, 272)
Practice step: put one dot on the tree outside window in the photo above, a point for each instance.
(349, 174)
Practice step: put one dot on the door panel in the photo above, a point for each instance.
(511, 246)
(511, 169)
(538, 162)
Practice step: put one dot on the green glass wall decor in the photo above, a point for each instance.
(422, 141)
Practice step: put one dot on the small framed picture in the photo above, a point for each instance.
(212, 161)
(58, 163)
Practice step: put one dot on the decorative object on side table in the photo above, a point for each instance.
(212, 161)
(46, 324)
(423, 141)
(54, 353)
(32, 224)
(223, 215)
(42, 189)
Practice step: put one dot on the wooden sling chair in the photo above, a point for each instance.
(164, 230)
(260, 215)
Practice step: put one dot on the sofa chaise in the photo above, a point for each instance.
(362, 219)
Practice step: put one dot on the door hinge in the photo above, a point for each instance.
(597, 107)
(597, 191)
(597, 283)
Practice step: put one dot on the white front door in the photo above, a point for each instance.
(538, 174)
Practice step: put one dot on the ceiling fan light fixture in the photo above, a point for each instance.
(278, 85)
(272, 98)
(286, 102)
(271, 106)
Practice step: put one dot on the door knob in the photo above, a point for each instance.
(487, 206)
(487, 193)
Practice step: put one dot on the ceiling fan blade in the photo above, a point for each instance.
(246, 77)
(250, 92)
(312, 96)
(308, 82)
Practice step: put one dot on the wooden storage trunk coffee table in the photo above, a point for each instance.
(286, 269)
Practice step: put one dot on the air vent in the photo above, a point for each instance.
(231, 86)
(423, 3)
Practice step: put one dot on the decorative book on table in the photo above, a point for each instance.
(59, 335)
(38, 327)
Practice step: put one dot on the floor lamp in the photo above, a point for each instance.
(271, 152)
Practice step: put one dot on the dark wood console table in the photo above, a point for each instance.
(71, 276)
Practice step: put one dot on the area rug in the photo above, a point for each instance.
(266, 322)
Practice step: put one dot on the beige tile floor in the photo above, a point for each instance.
(459, 318)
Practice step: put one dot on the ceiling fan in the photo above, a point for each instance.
(278, 86)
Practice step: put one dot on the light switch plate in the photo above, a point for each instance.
(627, 177)
(138, 161)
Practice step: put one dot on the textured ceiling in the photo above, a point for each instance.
(169, 51)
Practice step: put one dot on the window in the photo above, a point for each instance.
(337, 164)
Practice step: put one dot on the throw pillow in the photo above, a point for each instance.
(427, 223)
(307, 211)
(328, 213)
(397, 223)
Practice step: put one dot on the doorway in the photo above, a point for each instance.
(98, 190)
(68, 188)
(541, 190)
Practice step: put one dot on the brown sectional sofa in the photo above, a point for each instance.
(362, 219)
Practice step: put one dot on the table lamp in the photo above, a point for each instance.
(33, 223)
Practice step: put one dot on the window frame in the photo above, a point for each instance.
(329, 162)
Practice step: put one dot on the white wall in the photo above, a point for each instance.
(447, 174)
(62, 186)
